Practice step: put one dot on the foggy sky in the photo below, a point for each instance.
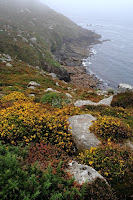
(117, 7)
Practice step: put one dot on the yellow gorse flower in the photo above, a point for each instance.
(26, 121)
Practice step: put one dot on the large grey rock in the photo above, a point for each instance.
(83, 173)
(33, 83)
(125, 87)
(81, 134)
(105, 101)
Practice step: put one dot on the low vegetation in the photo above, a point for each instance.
(111, 128)
(36, 141)
(124, 99)
(115, 163)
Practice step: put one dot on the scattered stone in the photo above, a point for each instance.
(9, 60)
(123, 87)
(68, 95)
(69, 88)
(129, 143)
(83, 173)
(33, 83)
(31, 95)
(9, 65)
(53, 75)
(105, 101)
(81, 134)
(37, 67)
(102, 92)
(57, 84)
(50, 90)
(3, 61)
(32, 87)
(43, 73)
(89, 92)
(33, 40)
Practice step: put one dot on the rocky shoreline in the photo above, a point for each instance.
(80, 78)
(71, 57)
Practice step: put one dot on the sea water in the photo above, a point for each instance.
(112, 61)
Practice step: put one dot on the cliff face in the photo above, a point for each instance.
(31, 31)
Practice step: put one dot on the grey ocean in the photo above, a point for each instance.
(112, 61)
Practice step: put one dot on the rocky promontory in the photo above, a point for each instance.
(38, 35)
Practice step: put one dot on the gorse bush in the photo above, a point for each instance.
(124, 100)
(108, 111)
(111, 128)
(15, 96)
(27, 121)
(114, 163)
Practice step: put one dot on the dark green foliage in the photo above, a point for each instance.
(18, 181)
(14, 182)
(52, 98)
(124, 100)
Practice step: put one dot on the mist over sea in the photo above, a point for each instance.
(112, 61)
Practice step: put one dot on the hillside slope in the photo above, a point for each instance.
(31, 31)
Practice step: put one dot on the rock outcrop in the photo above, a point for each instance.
(48, 38)
(105, 101)
(60, 72)
(81, 134)
(123, 87)
(83, 173)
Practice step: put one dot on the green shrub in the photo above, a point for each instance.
(124, 100)
(14, 182)
(111, 128)
(113, 162)
(19, 182)
(52, 98)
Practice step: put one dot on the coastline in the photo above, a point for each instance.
(72, 59)
(80, 77)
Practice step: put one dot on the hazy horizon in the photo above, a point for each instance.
(98, 8)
